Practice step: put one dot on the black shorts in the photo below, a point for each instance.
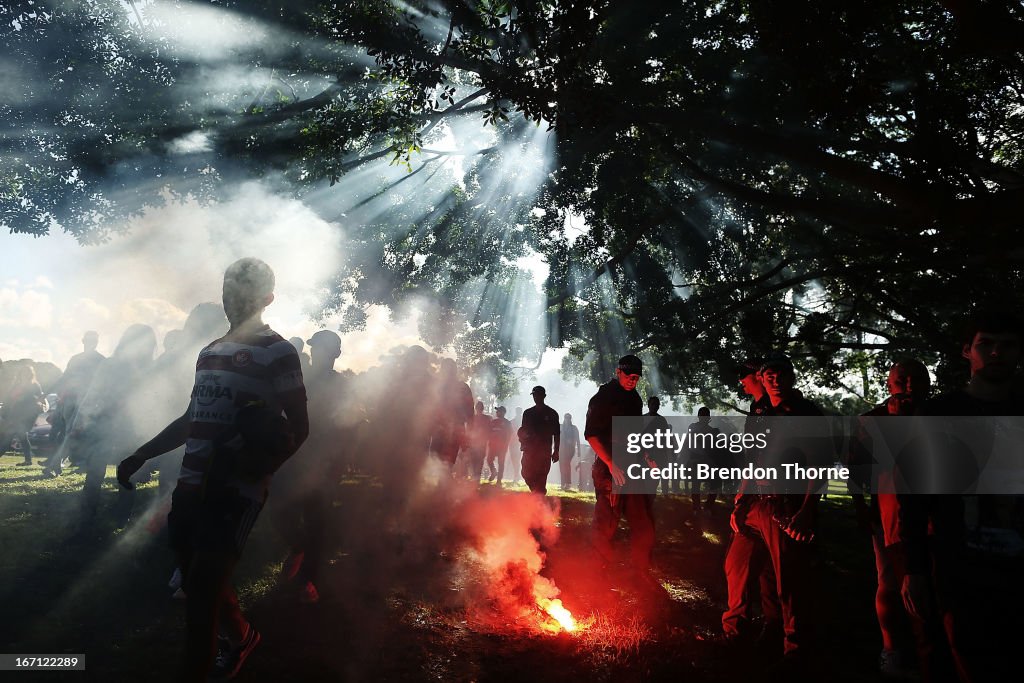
(220, 523)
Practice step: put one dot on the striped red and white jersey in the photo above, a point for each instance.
(262, 367)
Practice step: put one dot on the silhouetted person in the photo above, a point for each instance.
(539, 438)
(70, 388)
(748, 569)
(303, 486)
(909, 385)
(476, 451)
(702, 433)
(516, 448)
(569, 448)
(497, 444)
(657, 423)
(25, 402)
(235, 439)
(784, 524)
(108, 418)
(618, 398)
(401, 422)
(303, 356)
(931, 529)
(454, 411)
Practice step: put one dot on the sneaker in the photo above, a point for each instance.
(309, 594)
(230, 659)
(292, 564)
(176, 579)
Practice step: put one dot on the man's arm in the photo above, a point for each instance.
(618, 476)
(172, 436)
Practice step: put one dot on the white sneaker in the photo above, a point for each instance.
(175, 582)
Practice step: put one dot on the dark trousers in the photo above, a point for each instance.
(95, 474)
(793, 565)
(475, 462)
(747, 562)
(536, 466)
(207, 537)
(939, 638)
(496, 461)
(637, 508)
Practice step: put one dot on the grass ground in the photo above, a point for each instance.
(407, 618)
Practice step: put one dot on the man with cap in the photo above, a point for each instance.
(618, 398)
(540, 429)
(748, 572)
(784, 524)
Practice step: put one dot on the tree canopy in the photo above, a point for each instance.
(705, 181)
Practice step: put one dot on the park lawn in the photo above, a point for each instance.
(392, 609)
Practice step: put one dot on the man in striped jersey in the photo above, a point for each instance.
(235, 438)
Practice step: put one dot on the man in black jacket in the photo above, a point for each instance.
(618, 398)
(540, 427)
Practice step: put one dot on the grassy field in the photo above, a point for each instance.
(394, 609)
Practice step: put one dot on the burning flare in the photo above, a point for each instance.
(558, 612)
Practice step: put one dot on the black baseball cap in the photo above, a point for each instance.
(325, 338)
(539, 390)
(777, 361)
(749, 366)
(631, 365)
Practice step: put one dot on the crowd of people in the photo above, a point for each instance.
(223, 419)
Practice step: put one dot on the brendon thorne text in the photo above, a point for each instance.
(704, 472)
(790, 454)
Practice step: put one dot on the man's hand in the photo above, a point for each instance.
(554, 456)
(127, 467)
(618, 476)
(916, 594)
(801, 527)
